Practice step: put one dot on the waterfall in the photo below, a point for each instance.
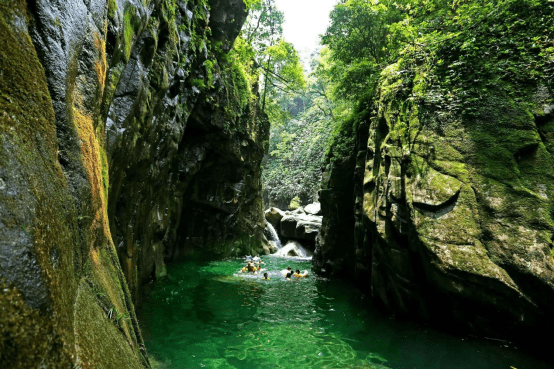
(294, 249)
(274, 235)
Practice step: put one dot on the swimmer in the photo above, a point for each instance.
(289, 275)
(266, 277)
(251, 267)
(297, 274)
(284, 272)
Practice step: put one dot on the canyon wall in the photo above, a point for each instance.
(126, 140)
(440, 205)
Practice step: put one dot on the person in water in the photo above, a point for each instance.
(251, 268)
(289, 275)
(297, 274)
(266, 276)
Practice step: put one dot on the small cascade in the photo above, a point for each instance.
(294, 249)
(274, 235)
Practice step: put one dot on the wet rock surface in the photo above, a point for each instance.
(454, 227)
(274, 216)
(300, 226)
(296, 225)
(313, 209)
(115, 160)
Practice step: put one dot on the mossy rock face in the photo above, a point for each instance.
(47, 236)
(453, 213)
(110, 157)
(469, 204)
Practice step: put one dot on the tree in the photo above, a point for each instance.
(276, 58)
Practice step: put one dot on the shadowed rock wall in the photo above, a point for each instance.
(112, 143)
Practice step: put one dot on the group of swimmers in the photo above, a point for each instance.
(288, 274)
(254, 265)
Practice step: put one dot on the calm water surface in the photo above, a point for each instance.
(206, 316)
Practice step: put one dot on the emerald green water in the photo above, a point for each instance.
(203, 316)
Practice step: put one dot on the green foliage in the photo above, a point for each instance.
(359, 47)
(295, 203)
(252, 4)
(131, 24)
(449, 53)
(112, 8)
(456, 53)
(283, 67)
(433, 60)
(242, 75)
(298, 142)
(277, 59)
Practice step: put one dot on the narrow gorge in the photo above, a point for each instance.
(134, 133)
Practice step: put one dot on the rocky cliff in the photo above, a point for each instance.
(126, 140)
(446, 213)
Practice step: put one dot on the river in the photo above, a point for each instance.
(204, 316)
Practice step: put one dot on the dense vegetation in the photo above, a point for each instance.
(297, 144)
(448, 54)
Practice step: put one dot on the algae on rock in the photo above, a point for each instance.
(450, 183)
(114, 161)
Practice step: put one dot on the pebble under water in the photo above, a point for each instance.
(205, 315)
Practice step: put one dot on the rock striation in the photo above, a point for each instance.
(125, 141)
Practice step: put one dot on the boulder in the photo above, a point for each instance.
(273, 247)
(300, 226)
(313, 209)
(274, 216)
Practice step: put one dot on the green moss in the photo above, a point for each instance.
(99, 341)
(112, 8)
(27, 127)
(131, 25)
(105, 173)
(295, 203)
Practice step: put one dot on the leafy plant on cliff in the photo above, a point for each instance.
(437, 58)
